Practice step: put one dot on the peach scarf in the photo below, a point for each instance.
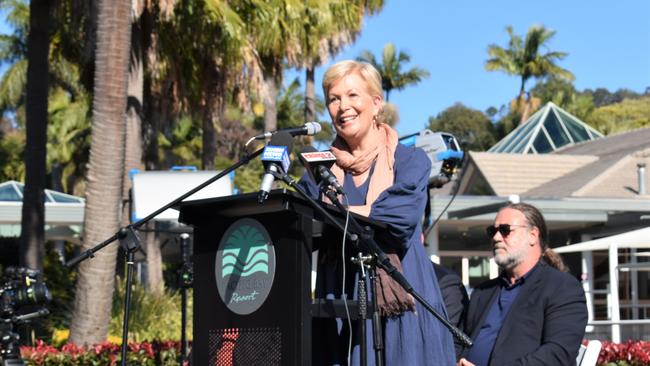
(391, 297)
(383, 151)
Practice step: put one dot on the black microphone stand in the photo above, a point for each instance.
(186, 277)
(383, 262)
(381, 259)
(130, 242)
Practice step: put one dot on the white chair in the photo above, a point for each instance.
(588, 355)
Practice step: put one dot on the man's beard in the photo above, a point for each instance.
(509, 260)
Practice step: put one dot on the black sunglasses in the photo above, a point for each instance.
(504, 229)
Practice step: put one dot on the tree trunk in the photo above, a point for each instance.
(32, 234)
(310, 94)
(522, 102)
(133, 146)
(272, 82)
(95, 282)
(155, 282)
(525, 102)
(209, 151)
(214, 89)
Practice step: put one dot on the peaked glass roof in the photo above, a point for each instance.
(12, 191)
(549, 129)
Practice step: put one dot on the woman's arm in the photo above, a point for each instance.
(401, 206)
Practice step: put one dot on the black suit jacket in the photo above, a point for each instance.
(545, 324)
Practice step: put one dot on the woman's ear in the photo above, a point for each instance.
(378, 104)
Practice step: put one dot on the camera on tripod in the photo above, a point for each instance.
(21, 296)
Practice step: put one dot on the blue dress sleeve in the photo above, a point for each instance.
(310, 187)
(401, 206)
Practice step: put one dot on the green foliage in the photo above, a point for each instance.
(290, 105)
(390, 68)
(523, 57)
(182, 144)
(627, 115)
(68, 105)
(141, 354)
(152, 316)
(12, 166)
(60, 280)
(68, 136)
(564, 95)
(603, 97)
(13, 88)
(249, 176)
(471, 127)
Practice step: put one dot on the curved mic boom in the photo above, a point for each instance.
(309, 129)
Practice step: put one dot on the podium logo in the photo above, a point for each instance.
(245, 266)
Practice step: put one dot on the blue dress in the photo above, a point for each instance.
(411, 338)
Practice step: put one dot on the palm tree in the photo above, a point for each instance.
(327, 27)
(390, 68)
(68, 122)
(523, 58)
(32, 229)
(94, 289)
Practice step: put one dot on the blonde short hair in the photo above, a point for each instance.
(346, 67)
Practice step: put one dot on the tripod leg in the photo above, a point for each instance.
(378, 337)
(127, 302)
(362, 300)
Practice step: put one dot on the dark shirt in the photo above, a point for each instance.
(480, 352)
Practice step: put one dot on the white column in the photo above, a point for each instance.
(634, 279)
(494, 269)
(433, 244)
(314, 272)
(464, 262)
(587, 278)
(613, 292)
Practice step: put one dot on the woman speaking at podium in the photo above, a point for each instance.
(387, 182)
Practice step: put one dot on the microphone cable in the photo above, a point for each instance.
(456, 188)
(343, 294)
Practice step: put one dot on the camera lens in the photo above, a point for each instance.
(36, 294)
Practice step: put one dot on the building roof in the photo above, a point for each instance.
(547, 130)
(606, 167)
(613, 174)
(12, 191)
(508, 174)
(64, 213)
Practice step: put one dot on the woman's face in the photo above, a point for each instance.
(352, 107)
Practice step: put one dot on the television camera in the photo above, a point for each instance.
(22, 295)
(443, 150)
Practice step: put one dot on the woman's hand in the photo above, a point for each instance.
(464, 362)
(361, 210)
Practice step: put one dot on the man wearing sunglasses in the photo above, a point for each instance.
(534, 313)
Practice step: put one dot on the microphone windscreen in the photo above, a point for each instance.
(282, 138)
(313, 128)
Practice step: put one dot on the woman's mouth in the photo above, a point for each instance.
(345, 119)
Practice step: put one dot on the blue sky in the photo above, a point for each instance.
(608, 44)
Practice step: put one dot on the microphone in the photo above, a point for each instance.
(309, 129)
(275, 158)
(318, 164)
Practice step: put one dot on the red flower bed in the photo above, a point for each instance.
(158, 353)
(630, 353)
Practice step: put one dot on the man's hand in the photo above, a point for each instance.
(464, 362)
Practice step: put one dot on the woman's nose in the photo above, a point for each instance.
(344, 104)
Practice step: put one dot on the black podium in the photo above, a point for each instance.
(252, 279)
